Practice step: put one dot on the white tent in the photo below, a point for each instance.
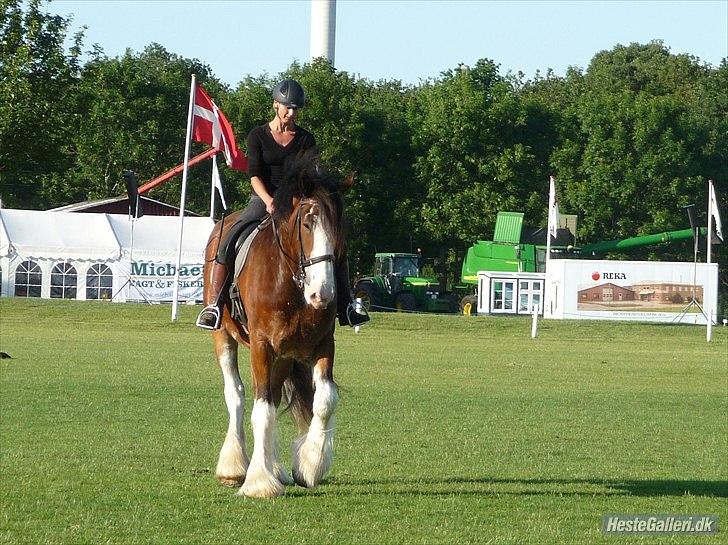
(48, 235)
(99, 256)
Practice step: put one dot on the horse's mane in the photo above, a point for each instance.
(305, 177)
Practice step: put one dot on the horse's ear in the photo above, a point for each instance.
(347, 182)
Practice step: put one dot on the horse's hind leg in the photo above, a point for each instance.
(233, 461)
(313, 453)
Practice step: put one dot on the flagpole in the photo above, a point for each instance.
(552, 198)
(188, 139)
(708, 300)
(212, 187)
(548, 301)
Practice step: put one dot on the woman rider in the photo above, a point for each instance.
(268, 147)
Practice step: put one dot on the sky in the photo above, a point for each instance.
(406, 40)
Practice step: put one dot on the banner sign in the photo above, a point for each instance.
(654, 291)
(154, 281)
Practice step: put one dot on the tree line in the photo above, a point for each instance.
(631, 139)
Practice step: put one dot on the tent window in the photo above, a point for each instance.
(28, 279)
(63, 281)
(99, 281)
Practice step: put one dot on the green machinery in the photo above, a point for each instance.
(515, 249)
(397, 283)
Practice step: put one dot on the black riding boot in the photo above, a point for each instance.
(211, 315)
(345, 308)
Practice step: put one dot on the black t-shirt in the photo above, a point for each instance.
(266, 157)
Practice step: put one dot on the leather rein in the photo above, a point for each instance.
(299, 274)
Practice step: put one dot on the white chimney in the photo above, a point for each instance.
(323, 29)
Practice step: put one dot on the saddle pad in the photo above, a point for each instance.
(242, 252)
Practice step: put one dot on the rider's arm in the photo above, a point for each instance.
(262, 192)
(256, 167)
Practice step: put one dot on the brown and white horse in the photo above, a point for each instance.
(288, 290)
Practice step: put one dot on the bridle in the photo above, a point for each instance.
(299, 274)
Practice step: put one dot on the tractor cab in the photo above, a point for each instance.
(402, 265)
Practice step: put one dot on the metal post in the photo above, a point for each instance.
(175, 288)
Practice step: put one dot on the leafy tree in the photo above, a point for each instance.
(480, 148)
(133, 115)
(37, 79)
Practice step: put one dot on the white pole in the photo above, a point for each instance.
(323, 29)
(547, 289)
(357, 307)
(552, 199)
(188, 139)
(534, 322)
(707, 301)
(212, 188)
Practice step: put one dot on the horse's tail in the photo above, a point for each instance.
(298, 388)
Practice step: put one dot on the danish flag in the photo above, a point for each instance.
(210, 126)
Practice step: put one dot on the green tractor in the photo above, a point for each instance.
(397, 284)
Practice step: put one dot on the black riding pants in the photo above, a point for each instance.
(251, 215)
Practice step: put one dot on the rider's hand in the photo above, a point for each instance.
(269, 207)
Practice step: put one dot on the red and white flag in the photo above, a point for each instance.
(210, 126)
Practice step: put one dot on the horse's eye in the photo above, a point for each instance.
(308, 224)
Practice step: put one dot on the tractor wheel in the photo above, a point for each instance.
(469, 305)
(369, 295)
(405, 301)
(453, 303)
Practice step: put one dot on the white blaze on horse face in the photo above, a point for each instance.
(319, 287)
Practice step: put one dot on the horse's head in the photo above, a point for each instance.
(310, 205)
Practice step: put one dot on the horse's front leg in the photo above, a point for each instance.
(233, 461)
(313, 452)
(261, 480)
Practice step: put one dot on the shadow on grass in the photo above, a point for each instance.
(491, 486)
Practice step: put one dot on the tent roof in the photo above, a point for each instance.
(102, 237)
(120, 205)
(155, 237)
(64, 235)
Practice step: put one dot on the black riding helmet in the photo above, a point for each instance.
(289, 93)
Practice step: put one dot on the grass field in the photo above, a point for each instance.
(449, 430)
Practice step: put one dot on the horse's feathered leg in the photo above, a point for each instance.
(233, 461)
(280, 372)
(261, 479)
(313, 453)
(299, 393)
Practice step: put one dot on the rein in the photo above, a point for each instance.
(299, 275)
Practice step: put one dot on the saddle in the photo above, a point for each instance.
(240, 238)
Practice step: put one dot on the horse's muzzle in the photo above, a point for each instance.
(318, 300)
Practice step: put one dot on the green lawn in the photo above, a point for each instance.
(449, 430)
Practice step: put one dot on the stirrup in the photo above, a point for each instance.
(355, 316)
(209, 318)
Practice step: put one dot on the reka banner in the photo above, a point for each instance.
(650, 291)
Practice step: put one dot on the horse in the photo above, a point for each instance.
(287, 288)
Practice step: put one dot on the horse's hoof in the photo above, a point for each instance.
(300, 481)
(231, 481)
(262, 486)
(311, 459)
